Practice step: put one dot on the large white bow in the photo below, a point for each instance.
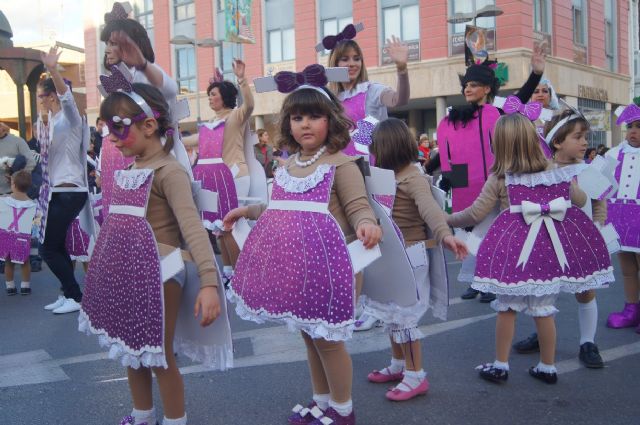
(536, 214)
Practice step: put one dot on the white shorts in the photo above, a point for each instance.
(528, 304)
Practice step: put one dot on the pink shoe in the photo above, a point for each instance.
(628, 317)
(403, 392)
(380, 378)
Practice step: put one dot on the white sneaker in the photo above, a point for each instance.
(57, 303)
(69, 306)
(365, 322)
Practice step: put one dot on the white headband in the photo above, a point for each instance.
(557, 127)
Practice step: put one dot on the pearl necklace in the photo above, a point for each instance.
(311, 160)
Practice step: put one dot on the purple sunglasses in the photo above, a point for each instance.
(126, 124)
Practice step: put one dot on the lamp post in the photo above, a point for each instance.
(205, 42)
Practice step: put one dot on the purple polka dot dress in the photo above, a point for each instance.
(295, 267)
(16, 218)
(556, 248)
(123, 300)
(214, 174)
(77, 242)
(111, 160)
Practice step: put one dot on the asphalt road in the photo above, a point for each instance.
(51, 374)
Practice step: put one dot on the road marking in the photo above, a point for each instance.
(29, 367)
(571, 365)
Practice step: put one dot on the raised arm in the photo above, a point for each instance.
(399, 53)
(68, 104)
(538, 61)
(244, 112)
(132, 56)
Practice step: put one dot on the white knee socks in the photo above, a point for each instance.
(179, 421)
(141, 416)
(588, 321)
(322, 400)
(396, 366)
(343, 409)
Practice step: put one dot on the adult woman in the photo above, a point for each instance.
(545, 94)
(64, 191)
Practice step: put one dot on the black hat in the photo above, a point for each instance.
(482, 73)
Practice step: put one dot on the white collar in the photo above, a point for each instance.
(627, 148)
(359, 88)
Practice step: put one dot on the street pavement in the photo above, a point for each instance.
(51, 374)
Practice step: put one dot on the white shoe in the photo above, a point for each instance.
(57, 303)
(69, 306)
(365, 322)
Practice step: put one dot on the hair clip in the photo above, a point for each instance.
(348, 33)
(531, 110)
(627, 114)
(313, 76)
(119, 12)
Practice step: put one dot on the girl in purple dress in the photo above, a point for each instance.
(539, 245)
(294, 267)
(130, 304)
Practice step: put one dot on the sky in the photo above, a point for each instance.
(45, 20)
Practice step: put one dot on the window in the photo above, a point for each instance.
(594, 110)
(471, 7)
(610, 45)
(542, 16)
(228, 51)
(402, 19)
(184, 9)
(281, 43)
(579, 22)
(143, 11)
(186, 67)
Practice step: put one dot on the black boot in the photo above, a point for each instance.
(469, 294)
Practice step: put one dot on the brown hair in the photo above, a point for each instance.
(338, 52)
(565, 130)
(393, 145)
(308, 102)
(135, 31)
(260, 132)
(516, 147)
(122, 105)
(21, 180)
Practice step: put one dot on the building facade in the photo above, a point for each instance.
(590, 61)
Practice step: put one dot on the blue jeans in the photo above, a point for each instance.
(64, 207)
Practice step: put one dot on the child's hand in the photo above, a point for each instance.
(456, 246)
(234, 215)
(208, 303)
(369, 234)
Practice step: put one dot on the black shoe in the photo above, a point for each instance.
(25, 291)
(546, 377)
(469, 294)
(493, 374)
(528, 345)
(590, 356)
(487, 297)
(11, 291)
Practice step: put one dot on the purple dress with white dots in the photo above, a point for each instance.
(77, 242)
(295, 267)
(542, 244)
(123, 298)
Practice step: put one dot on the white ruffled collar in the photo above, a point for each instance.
(301, 184)
(627, 148)
(546, 178)
(362, 87)
(132, 179)
(15, 203)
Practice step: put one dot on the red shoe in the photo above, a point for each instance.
(403, 392)
(380, 378)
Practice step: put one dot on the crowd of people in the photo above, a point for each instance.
(307, 250)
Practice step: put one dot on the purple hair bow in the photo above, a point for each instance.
(531, 110)
(118, 12)
(116, 81)
(364, 130)
(312, 75)
(348, 33)
(630, 114)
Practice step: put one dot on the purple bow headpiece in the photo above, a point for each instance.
(118, 12)
(118, 82)
(364, 130)
(348, 33)
(531, 110)
(629, 114)
(217, 76)
(312, 75)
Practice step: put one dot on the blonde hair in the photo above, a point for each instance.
(516, 147)
(338, 52)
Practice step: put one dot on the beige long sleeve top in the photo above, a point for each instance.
(495, 191)
(415, 209)
(598, 207)
(173, 215)
(348, 202)
(234, 128)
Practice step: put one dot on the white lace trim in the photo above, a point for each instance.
(404, 335)
(539, 288)
(392, 314)
(81, 258)
(330, 332)
(301, 184)
(546, 178)
(533, 311)
(145, 357)
(362, 87)
(132, 179)
(218, 357)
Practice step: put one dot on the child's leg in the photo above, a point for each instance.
(412, 355)
(316, 370)
(229, 250)
(505, 329)
(337, 367)
(630, 265)
(546, 327)
(140, 387)
(25, 270)
(587, 315)
(85, 266)
(9, 269)
(170, 380)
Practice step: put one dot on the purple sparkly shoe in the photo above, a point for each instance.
(628, 317)
(130, 420)
(305, 415)
(331, 417)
